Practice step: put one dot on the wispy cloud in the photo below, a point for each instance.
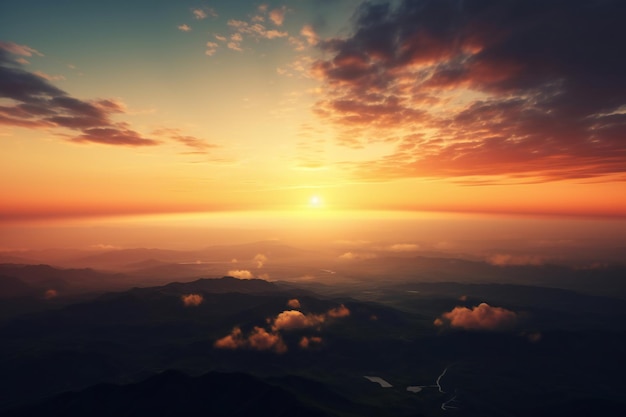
(184, 28)
(200, 146)
(503, 259)
(16, 49)
(260, 260)
(203, 13)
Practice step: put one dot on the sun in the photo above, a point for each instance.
(315, 201)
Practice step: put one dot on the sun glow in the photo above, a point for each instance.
(315, 201)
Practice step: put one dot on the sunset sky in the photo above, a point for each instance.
(161, 106)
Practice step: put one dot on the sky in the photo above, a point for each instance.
(468, 106)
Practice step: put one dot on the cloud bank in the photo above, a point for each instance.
(521, 89)
(289, 320)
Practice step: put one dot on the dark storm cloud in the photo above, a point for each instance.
(480, 87)
(35, 103)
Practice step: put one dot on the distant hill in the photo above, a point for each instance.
(173, 393)
(224, 285)
(14, 287)
(68, 281)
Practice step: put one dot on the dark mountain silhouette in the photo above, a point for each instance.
(173, 393)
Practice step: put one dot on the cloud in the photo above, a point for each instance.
(184, 28)
(17, 49)
(277, 16)
(201, 14)
(240, 273)
(260, 260)
(50, 294)
(211, 48)
(338, 312)
(309, 34)
(258, 339)
(233, 340)
(48, 76)
(112, 136)
(357, 256)
(293, 319)
(192, 300)
(403, 247)
(199, 146)
(515, 260)
(305, 341)
(481, 317)
(261, 339)
(481, 87)
(33, 102)
(293, 303)
(255, 30)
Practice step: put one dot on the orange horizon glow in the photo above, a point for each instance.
(294, 118)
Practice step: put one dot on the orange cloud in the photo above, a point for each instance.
(261, 339)
(506, 260)
(478, 91)
(337, 312)
(403, 247)
(293, 319)
(277, 16)
(260, 260)
(49, 294)
(240, 273)
(357, 256)
(258, 339)
(184, 28)
(482, 317)
(232, 341)
(293, 303)
(309, 34)
(192, 300)
(305, 342)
